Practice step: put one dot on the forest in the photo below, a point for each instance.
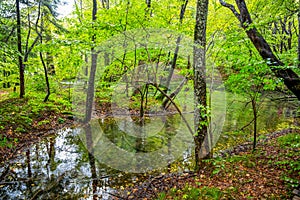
(127, 99)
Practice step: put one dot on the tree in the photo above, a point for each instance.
(290, 78)
(199, 68)
(91, 83)
(175, 57)
(18, 32)
(8, 52)
(41, 16)
(251, 81)
(19, 41)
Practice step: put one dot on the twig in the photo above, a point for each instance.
(115, 195)
(246, 125)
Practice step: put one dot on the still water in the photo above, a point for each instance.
(83, 163)
(98, 161)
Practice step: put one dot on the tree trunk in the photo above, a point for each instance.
(46, 76)
(40, 16)
(290, 78)
(91, 83)
(19, 40)
(199, 79)
(91, 87)
(166, 85)
(166, 103)
(29, 184)
(49, 57)
(173, 65)
(254, 109)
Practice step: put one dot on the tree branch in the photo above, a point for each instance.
(291, 79)
(231, 7)
(30, 48)
(176, 107)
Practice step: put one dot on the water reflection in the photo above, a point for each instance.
(142, 142)
(58, 167)
(143, 151)
(65, 166)
(272, 115)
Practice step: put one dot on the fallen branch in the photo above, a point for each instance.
(171, 100)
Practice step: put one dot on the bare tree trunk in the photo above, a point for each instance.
(254, 109)
(166, 103)
(148, 2)
(91, 83)
(29, 184)
(49, 57)
(199, 69)
(91, 87)
(86, 69)
(40, 16)
(173, 95)
(107, 4)
(19, 40)
(290, 78)
(46, 77)
(173, 64)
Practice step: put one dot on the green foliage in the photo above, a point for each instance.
(290, 140)
(204, 113)
(5, 142)
(294, 183)
(217, 165)
(43, 122)
(61, 120)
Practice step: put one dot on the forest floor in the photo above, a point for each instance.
(271, 172)
(23, 122)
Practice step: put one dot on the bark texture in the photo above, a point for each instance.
(91, 82)
(19, 40)
(200, 79)
(290, 78)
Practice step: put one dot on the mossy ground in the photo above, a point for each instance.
(23, 121)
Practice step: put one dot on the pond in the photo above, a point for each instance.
(67, 165)
(97, 161)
